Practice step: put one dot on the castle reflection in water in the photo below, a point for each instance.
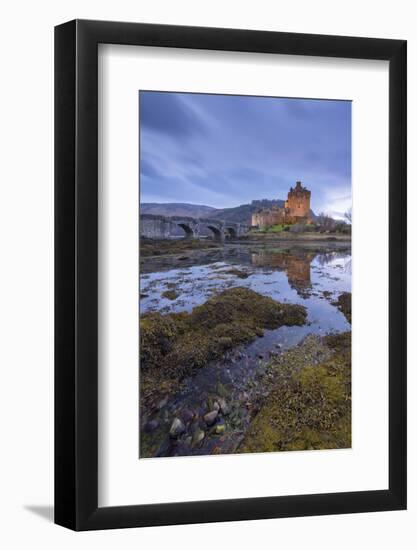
(296, 265)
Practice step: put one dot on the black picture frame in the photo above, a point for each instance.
(76, 272)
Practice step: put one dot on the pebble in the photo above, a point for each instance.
(224, 407)
(187, 415)
(210, 417)
(151, 425)
(162, 403)
(220, 429)
(198, 436)
(177, 428)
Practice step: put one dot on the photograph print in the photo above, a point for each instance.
(244, 274)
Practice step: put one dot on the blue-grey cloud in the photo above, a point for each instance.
(227, 150)
(165, 112)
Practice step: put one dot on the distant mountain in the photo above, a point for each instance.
(243, 213)
(177, 209)
(239, 214)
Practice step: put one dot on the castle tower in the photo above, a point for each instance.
(298, 201)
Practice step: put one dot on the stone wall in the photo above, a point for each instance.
(154, 227)
(267, 217)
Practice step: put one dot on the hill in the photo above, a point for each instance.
(238, 214)
(177, 209)
(243, 213)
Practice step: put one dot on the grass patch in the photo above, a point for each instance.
(309, 406)
(278, 228)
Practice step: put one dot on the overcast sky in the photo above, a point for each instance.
(223, 151)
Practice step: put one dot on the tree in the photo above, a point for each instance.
(348, 215)
(325, 222)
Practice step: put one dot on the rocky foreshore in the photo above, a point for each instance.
(298, 400)
(292, 400)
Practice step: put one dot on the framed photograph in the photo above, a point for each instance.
(230, 247)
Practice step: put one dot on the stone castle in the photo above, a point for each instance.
(295, 210)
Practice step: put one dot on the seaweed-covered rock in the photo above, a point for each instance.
(157, 335)
(344, 303)
(237, 273)
(177, 343)
(309, 406)
(170, 294)
(244, 306)
(158, 247)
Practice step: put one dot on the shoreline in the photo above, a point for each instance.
(149, 248)
(299, 237)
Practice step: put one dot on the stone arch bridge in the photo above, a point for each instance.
(161, 227)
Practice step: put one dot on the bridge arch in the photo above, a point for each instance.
(217, 232)
(188, 230)
(231, 232)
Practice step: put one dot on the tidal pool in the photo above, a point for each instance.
(312, 275)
